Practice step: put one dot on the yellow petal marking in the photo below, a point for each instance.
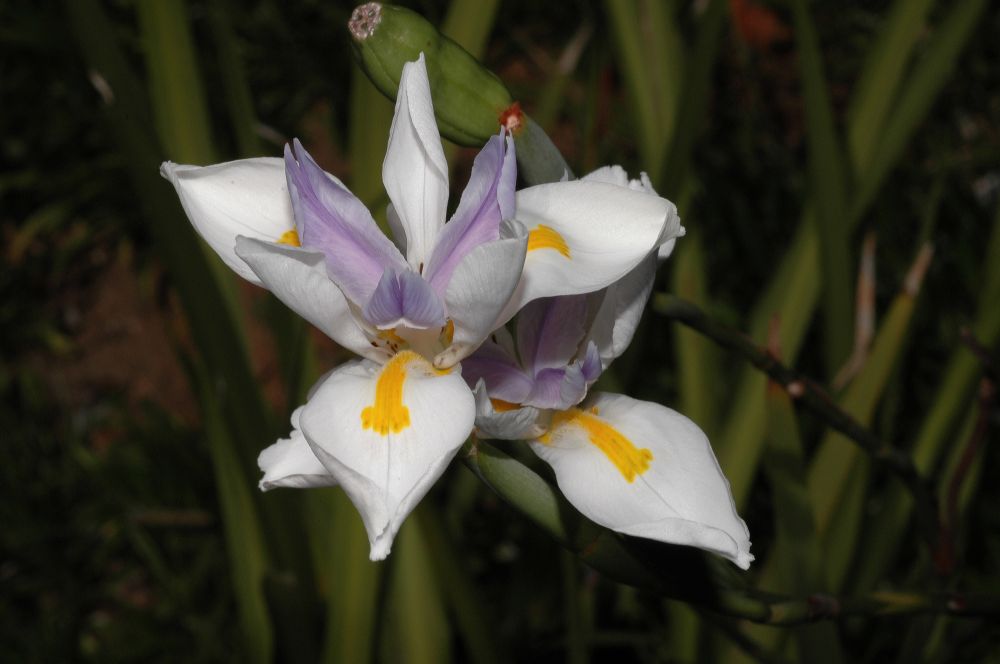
(291, 238)
(629, 459)
(448, 332)
(544, 237)
(388, 413)
(501, 406)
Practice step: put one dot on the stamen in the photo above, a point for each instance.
(501, 406)
(629, 459)
(544, 237)
(392, 337)
(291, 238)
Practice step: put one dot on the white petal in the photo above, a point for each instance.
(245, 197)
(585, 236)
(621, 307)
(299, 279)
(681, 496)
(386, 475)
(396, 228)
(290, 463)
(618, 176)
(522, 423)
(479, 288)
(415, 172)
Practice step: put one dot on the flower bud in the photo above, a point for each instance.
(468, 98)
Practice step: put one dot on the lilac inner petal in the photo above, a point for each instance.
(503, 377)
(404, 298)
(591, 366)
(486, 201)
(549, 331)
(558, 388)
(331, 219)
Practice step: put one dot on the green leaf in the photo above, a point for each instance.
(180, 111)
(418, 629)
(697, 366)
(651, 57)
(350, 581)
(239, 101)
(950, 404)
(469, 612)
(917, 96)
(881, 77)
(244, 542)
(792, 292)
(828, 192)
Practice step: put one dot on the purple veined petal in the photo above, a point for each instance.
(404, 298)
(558, 388)
(503, 377)
(549, 331)
(487, 200)
(331, 219)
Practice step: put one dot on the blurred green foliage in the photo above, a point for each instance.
(119, 536)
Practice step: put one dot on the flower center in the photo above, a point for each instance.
(629, 459)
(426, 343)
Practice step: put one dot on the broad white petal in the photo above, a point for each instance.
(245, 197)
(618, 176)
(425, 416)
(290, 463)
(479, 288)
(299, 279)
(415, 172)
(642, 469)
(522, 423)
(397, 232)
(584, 236)
(620, 307)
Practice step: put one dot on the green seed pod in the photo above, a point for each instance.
(468, 98)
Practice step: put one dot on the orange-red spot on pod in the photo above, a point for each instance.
(627, 458)
(512, 117)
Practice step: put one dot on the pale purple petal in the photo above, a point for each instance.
(404, 298)
(549, 331)
(503, 376)
(558, 389)
(591, 365)
(487, 200)
(519, 424)
(331, 219)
